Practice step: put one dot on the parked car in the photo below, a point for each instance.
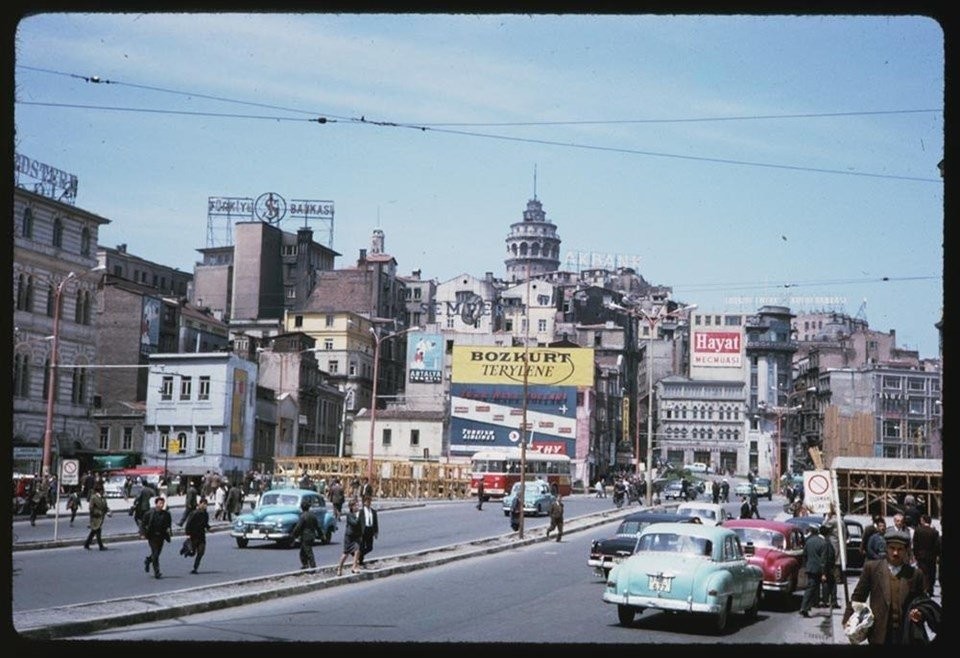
(275, 515)
(777, 550)
(708, 513)
(537, 498)
(699, 467)
(764, 487)
(673, 490)
(743, 488)
(852, 537)
(686, 567)
(605, 553)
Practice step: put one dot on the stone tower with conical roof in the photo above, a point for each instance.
(532, 245)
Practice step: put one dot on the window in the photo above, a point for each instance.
(328, 343)
(85, 241)
(24, 292)
(334, 367)
(182, 440)
(916, 405)
(201, 441)
(328, 320)
(915, 384)
(26, 227)
(297, 320)
(541, 325)
(104, 443)
(204, 388)
(387, 436)
(81, 314)
(78, 391)
(186, 387)
(51, 297)
(21, 376)
(58, 232)
(166, 388)
(415, 437)
(127, 443)
(416, 293)
(353, 368)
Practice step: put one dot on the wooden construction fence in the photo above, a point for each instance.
(391, 479)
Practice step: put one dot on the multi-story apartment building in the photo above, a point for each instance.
(420, 296)
(54, 260)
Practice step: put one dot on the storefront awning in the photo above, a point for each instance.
(111, 462)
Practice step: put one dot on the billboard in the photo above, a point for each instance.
(545, 366)
(150, 325)
(716, 349)
(238, 412)
(424, 358)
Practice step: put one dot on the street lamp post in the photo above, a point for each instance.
(377, 339)
(54, 369)
(652, 322)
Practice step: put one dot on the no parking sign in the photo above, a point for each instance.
(817, 491)
(70, 471)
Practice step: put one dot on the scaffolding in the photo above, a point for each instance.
(391, 478)
(875, 485)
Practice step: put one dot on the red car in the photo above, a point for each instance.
(778, 551)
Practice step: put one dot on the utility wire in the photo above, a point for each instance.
(723, 287)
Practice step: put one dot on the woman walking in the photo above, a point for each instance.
(351, 539)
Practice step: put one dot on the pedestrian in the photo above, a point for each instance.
(219, 497)
(754, 498)
(189, 503)
(556, 517)
(233, 504)
(818, 555)
(744, 508)
(515, 511)
(891, 584)
(98, 510)
(87, 487)
(73, 504)
(127, 487)
(38, 499)
(867, 533)
(926, 550)
(141, 504)
(196, 528)
(181, 484)
(715, 491)
(352, 535)
(876, 545)
(480, 494)
(366, 489)
(370, 528)
(336, 497)
(725, 491)
(830, 530)
(911, 513)
(306, 530)
(155, 528)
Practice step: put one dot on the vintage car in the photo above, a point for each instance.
(537, 498)
(708, 513)
(275, 515)
(764, 488)
(777, 550)
(852, 536)
(689, 568)
(673, 490)
(605, 553)
(699, 467)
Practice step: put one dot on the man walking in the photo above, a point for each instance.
(73, 504)
(369, 528)
(98, 510)
(480, 494)
(196, 529)
(156, 528)
(556, 517)
(233, 503)
(926, 550)
(189, 503)
(141, 504)
(307, 529)
(817, 554)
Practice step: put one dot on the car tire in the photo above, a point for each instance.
(752, 611)
(626, 614)
(721, 618)
(242, 542)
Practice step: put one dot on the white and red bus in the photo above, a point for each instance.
(500, 469)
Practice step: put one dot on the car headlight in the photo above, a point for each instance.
(238, 524)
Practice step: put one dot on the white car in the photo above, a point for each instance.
(708, 513)
(698, 467)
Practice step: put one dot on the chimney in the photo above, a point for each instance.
(122, 248)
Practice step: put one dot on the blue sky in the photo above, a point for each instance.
(743, 159)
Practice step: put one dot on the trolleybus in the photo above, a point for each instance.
(500, 468)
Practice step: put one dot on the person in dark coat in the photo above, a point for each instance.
(156, 529)
(480, 494)
(715, 491)
(556, 517)
(73, 504)
(337, 497)
(515, 512)
(189, 503)
(876, 545)
(745, 512)
(141, 504)
(818, 556)
(306, 530)
(196, 528)
(233, 504)
(351, 539)
(98, 511)
(754, 499)
(891, 584)
(369, 527)
(926, 550)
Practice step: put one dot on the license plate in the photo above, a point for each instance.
(256, 532)
(659, 583)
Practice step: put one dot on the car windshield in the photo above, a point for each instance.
(280, 499)
(760, 537)
(671, 542)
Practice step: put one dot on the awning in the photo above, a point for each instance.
(111, 462)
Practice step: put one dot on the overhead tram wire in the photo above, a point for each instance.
(706, 287)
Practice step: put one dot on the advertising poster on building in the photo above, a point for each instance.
(238, 413)
(716, 349)
(490, 387)
(425, 355)
(150, 325)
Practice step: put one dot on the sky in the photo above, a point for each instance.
(741, 160)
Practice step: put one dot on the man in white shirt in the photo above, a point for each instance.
(370, 528)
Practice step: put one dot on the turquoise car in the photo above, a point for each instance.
(276, 514)
(686, 568)
(537, 498)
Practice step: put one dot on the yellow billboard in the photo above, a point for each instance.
(538, 366)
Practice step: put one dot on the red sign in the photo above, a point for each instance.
(717, 348)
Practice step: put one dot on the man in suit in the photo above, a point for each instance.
(818, 556)
(926, 550)
(369, 528)
(891, 584)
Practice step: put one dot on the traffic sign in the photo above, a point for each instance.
(70, 471)
(817, 491)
